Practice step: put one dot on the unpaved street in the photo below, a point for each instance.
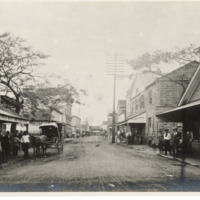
(94, 164)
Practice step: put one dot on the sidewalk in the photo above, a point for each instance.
(193, 160)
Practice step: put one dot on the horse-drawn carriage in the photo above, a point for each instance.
(54, 137)
(50, 137)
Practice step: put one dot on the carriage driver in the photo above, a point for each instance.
(25, 140)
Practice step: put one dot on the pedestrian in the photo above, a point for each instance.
(175, 137)
(1, 155)
(161, 142)
(20, 134)
(119, 136)
(188, 142)
(128, 136)
(16, 144)
(25, 140)
(5, 143)
(133, 137)
(167, 138)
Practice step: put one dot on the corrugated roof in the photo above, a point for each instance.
(9, 113)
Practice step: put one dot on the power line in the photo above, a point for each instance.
(115, 67)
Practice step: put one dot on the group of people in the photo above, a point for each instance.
(129, 137)
(174, 141)
(12, 143)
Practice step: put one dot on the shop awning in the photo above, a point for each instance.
(122, 123)
(6, 116)
(189, 105)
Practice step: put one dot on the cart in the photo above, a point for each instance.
(55, 138)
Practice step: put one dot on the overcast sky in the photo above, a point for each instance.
(79, 37)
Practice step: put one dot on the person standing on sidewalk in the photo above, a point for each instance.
(175, 136)
(167, 138)
(5, 143)
(25, 140)
(128, 136)
(161, 142)
(188, 142)
(16, 144)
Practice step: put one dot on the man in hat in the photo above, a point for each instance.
(175, 136)
(167, 138)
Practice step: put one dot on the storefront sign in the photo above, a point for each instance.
(56, 116)
(139, 119)
(121, 117)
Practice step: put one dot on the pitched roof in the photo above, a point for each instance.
(194, 82)
(9, 113)
(175, 74)
(144, 80)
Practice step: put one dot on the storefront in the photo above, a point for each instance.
(137, 127)
(122, 123)
(8, 118)
(188, 115)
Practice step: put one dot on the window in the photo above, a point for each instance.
(150, 96)
(132, 106)
(149, 125)
(129, 108)
(149, 122)
(136, 105)
(141, 101)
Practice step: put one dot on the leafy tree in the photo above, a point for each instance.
(18, 63)
(46, 96)
(19, 80)
(151, 61)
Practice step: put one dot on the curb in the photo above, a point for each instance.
(171, 158)
(176, 159)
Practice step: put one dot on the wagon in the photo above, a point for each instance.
(55, 138)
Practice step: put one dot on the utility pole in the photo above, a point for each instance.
(115, 67)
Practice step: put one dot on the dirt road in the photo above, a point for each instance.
(94, 164)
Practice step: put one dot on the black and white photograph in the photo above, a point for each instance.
(100, 97)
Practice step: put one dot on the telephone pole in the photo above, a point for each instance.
(114, 67)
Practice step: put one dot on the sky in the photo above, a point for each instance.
(80, 36)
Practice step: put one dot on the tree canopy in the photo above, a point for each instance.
(19, 80)
(17, 66)
(44, 96)
(151, 61)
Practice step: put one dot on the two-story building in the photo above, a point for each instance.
(76, 125)
(121, 115)
(164, 94)
(136, 105)
(61, 114)
(152, 96)
(187, 107)
(66, 109)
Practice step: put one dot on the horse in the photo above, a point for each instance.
(39, 142)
